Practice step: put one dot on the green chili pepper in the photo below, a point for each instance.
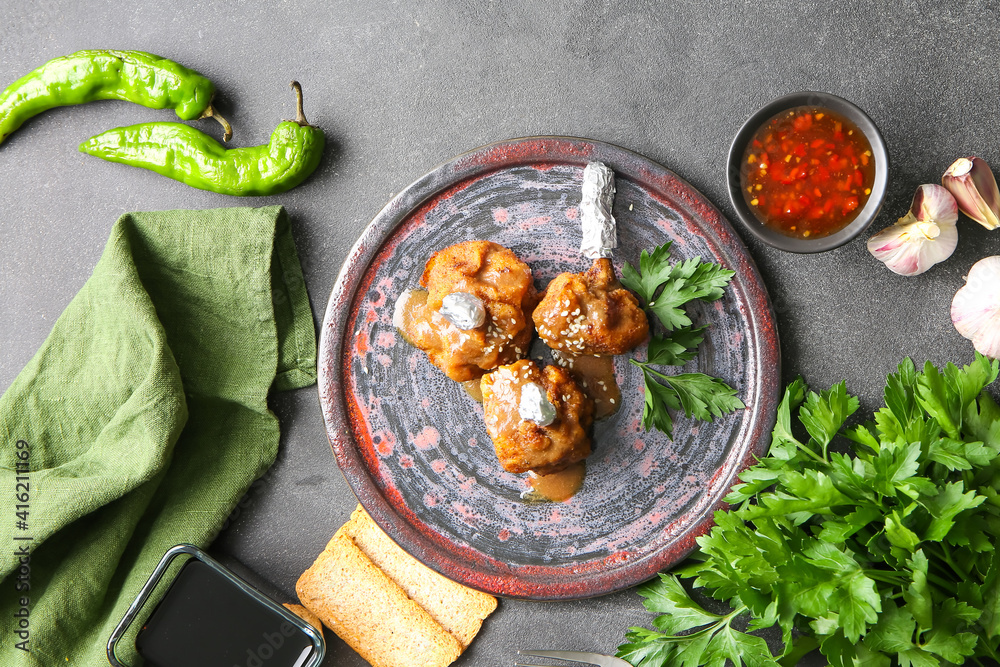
(184, 154)
(132, 76)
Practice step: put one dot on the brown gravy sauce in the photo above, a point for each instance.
(557, 487)
(409, 312)
(474, 388)
(596, 376)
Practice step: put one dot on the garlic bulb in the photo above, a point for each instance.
(923, 237)
(975, 310)
(971, 182)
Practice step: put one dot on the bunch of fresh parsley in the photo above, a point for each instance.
(883, 555)
(664, 289)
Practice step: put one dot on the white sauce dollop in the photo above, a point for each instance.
(466, 311)
(535, 405)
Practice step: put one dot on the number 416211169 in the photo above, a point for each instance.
(22, 489)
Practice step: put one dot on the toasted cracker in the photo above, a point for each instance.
(370, 612)
(460, 610)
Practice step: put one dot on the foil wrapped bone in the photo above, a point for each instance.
(599, 228)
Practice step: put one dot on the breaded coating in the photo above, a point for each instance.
(590, 313)
(503, 282)
(523, 445)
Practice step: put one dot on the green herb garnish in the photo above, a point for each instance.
(880, 556)
(680, 283)
(664, 289)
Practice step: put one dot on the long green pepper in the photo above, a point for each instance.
(184, 154)
(86, 76)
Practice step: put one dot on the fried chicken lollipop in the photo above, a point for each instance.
(538, 419)
(590, 313)
(477, 313)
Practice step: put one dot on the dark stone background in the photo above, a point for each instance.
(400, 87)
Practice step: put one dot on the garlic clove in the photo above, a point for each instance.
(975, 310)
(923, 237)
(969, 314)
(909, 255)
(934, 203)
(987, 339)
(972, 183)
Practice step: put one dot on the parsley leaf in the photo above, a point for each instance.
(664, 288)
(653, 271)
(659, 401)
(676, 348)
(679, 611)
(698, 395)
(885, 553)
(688, 634)
(824, 414)
(704, 397)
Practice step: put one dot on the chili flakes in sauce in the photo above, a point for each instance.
(807, 172)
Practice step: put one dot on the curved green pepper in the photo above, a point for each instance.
(86, 76)
(184, 154)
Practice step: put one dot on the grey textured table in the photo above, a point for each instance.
(400, 87)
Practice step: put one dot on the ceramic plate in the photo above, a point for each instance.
(412, 443)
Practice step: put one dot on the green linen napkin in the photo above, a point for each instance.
(144, 419)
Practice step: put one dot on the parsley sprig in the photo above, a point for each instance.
(883, 555)
(664, 289)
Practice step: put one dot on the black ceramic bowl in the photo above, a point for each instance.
(868, 212)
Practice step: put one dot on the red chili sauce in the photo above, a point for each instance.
(807, 172)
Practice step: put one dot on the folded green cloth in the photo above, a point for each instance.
(144, 419)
